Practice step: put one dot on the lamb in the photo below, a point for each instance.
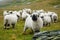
(10, 19)
(5, 13)
(17, 13)
(40, 11)
(47, 20)
(33, 22)
(27, 10)
(53, 16)
(25, 15)
(20, 11)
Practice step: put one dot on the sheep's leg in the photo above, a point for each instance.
(36, 30)
(5, 24)
(43, 24)
(13, 25)
(8, 26)
(47, 24)
(25, 28)
(31, 31)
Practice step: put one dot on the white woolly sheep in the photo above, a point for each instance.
(53, 15)
(10, 19)
(47, 19)
(25, 15)
(28, 10)
(17, 13)
(33, 22)
(20, 11)
(40, 11)
(5, 13)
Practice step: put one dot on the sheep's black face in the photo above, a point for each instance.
(34, 18)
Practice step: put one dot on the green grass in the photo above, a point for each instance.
(17, 32)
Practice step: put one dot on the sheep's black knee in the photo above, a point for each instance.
(43, 24)
(5, 25)
(13, 25)
(8, 24)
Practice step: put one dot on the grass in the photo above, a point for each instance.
(16, 34)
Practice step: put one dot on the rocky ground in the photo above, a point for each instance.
(47, 35)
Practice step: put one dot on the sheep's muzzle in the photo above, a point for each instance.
(34, 18)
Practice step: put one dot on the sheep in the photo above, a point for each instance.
(5, 13)
(33, 22)
(20, 11)
(40, 11)
(25, 15)
(27, 10)
(53, 16)
(17, 13)
(47, 20)
(10, 12)
(10, 19)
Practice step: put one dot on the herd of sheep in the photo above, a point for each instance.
(34, 19)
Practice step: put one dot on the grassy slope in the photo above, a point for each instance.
(17, 32)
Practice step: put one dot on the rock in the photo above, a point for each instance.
(47, 35)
